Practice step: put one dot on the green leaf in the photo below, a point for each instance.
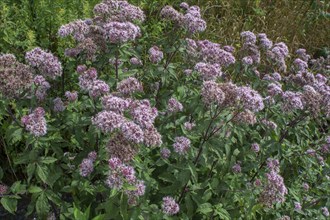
(18, 188)
(47, 160)
(9, 204)
(123, 207)
(30, 170)
(193, 172)
(99, 217)
(205, 208)
(42, 173)
(221, 212)
(34, 189)
(42, 205)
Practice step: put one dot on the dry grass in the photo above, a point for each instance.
(299, 23)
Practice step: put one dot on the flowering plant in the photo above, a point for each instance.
(177, 128)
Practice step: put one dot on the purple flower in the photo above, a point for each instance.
(174, 105)
(155, 54)
(208, 71)
(129, 86)
(249, 37)
(71, 96)
(274, 89)
(211, 93)
(189, 126)
(108, 121)
(142, 113)
(264, 42)
(35, 122)
(291, 101)
(113, 103)
(305, 186)
(114, 162)
(169, 206)
(98, 88)
(132, 132)
(121, 32)
(77, 28)
(46, 63)
(165, 153)
(250, 99)
(181, 145)
(58, 105)
(92, 156)
(169, 13)
(192, 20)
(237, 168)
(135, 61)
(297, 206)
(255, 147)
(325, 211)
(3, 189)
(275, 190)
(86, 167)
(184, 5)
(247, 61)
(152, 138)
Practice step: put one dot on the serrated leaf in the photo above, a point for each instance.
(9, 204)
(42, 173)
(42, 205)
(30, 170)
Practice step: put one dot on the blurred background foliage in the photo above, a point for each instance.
(25, 24)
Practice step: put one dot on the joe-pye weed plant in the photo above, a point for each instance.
(176, 128)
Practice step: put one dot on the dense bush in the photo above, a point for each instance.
(150, 122)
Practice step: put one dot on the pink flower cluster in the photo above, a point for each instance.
(255, 147)
(78, 29)
(35, 122)
(189, 125)
(42, 87)
(108, 121)
(15, 77)
(121, 32)
(211, 93)
(121, 173)
(155, 54)
(191, 20)
(58, 105)
(208, 71)
(181, 145)
(169, 206)
(250, 99)
(209, 52)
(291, 101)
(119, 11)
(275, 190)
(87, 165)
(129, 86)
(46, 63)
(138, 129)
(237, 168)
(88, 82)
(3, 189)
(174, 105)
(165, 153)
(71, 96)
(114, 103)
